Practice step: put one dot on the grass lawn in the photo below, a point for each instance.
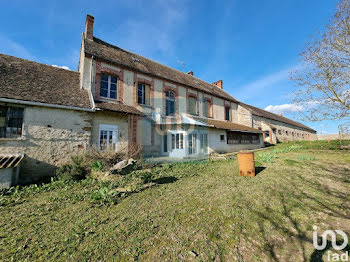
(198, 211)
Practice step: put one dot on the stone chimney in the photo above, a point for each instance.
(219, 84)
(190, 73)
(89, 27)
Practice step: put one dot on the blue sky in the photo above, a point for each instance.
(250, 45)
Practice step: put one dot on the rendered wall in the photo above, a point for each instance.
(50, 137)
(215, 145)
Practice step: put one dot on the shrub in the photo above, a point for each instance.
(146, 177)
(73, 171)
(104, 195)
(98, 165)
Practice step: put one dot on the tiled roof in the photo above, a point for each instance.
(263, 113)
(219, 124)
(30, 81)
(117, 107)
(119, 56)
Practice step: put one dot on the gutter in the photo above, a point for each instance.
(30, 103)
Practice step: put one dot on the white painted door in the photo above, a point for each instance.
(176, 145)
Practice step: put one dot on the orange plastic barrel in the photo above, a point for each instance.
(246, 163)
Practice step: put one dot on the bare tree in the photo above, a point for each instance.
(324, 73)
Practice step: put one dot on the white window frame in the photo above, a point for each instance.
(109, 86)
(108, 128)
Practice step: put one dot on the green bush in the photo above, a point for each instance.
(146, 177)
(98, 165)
(73, 171)
(104, 195)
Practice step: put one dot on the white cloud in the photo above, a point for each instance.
(63, 67)
(262, 84)
(284, 108)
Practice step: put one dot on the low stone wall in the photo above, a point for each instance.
(332, 137)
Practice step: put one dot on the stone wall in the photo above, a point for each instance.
(332, 137)
(282, 132)
(108, 118)
(50, 136)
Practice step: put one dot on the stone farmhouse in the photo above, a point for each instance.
(118, 99)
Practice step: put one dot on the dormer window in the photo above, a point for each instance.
(108, 86)
(143, 94)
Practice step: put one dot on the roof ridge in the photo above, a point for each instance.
(32, 61)
(100, 41)
(278, 116)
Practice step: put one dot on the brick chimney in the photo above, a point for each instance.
(219, 84)
(190, 73)
(89, 27)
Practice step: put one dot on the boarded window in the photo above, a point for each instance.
(235, 137)
(207, 108)
(192, 105)
(11, 121)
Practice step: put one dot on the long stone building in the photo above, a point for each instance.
(117, 99)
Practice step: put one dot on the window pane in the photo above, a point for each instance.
(181, 143)
(173, 141)
(113, 79)
(104, 92)
(227, 113)
(177, 141)
(104, 77)
(190, 149)
(113, 94)
(113, 87)
(165, 143)
(141, 93)
(104, 84)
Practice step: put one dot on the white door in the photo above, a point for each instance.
(193, 144)
(108, 137)
(176, 143)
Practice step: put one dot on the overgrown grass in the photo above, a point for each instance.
(189, 211)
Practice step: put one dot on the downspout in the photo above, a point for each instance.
(91, 82)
